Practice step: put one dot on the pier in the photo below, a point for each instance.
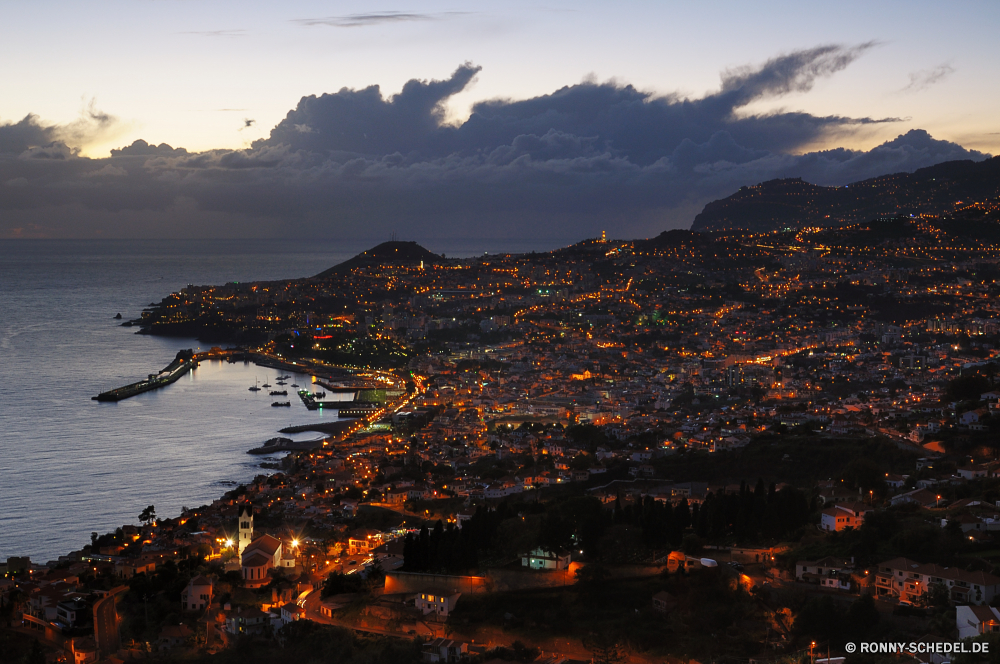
(183, 363)
(287, 445)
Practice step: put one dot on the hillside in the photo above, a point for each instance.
(392, 253)
(943, 189)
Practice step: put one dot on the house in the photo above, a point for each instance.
(975, 620)
(844, 515)
(259, 557)
(836, 494)
(126, 569)
(465, 516)
(83, 650)
(197, 596)
(908, 580)
(664, 602)
(363, 542)
(444, 650)
(544, 559)
(973, 471)
(439, 605)
(291, 612)
(336, 602)
(922, 497)
(894, 481)
(973, 416)
(813, 570)
(172, 636)
(72, 612)
(395, 496)
(247, 621)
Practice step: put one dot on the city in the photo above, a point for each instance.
(784, 440)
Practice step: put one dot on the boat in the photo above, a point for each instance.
(279, 393)
(265, 385)
(285, 377)
(254, 387)
(281, 404)
(294, 385)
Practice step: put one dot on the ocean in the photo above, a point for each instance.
(70, 466)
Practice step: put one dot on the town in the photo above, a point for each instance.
(688, 448)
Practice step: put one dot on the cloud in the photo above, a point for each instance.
(357, 164)
(29, 134)
(925, 78)
(375, 18)
(107, 171)
(792, 72)
(141, 148)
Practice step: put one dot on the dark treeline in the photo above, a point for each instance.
(453, 549)
(760, 514)
(748, 515)
(623, 531)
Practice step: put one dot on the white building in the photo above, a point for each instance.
(439, 605)
(544, 559)
(975, 620)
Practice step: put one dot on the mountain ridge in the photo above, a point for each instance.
(794, 203)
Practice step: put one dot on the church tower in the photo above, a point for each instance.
(246, 526)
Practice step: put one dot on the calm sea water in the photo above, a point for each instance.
(70, 465)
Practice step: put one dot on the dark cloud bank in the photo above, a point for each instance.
(355, 164)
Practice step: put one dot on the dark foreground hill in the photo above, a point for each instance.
(387, 254)
(943, 189)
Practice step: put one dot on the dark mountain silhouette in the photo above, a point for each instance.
(387, 254)
(944, 189)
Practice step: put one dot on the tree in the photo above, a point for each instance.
(862, 617)
(936, 596)
(338, 584)
(376, 573)
(36, 655)
(605, 649)
(148, 515)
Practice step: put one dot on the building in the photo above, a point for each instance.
(664, 602)
(363, 542)
(444, 650)
(908, 580)
(438, 605)
(247, 621)
(197, 596)
(975, 620)
(260, 556)
(544, 559)
(291, 612)
(812, 571)
(844, 515)
(246, 527)
(173, 636)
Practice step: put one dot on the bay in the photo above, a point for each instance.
(70, 466)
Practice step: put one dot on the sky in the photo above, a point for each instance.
(202, 118)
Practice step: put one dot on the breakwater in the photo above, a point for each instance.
(183, 363)
(287, 445)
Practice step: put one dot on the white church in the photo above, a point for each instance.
(258, 555)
